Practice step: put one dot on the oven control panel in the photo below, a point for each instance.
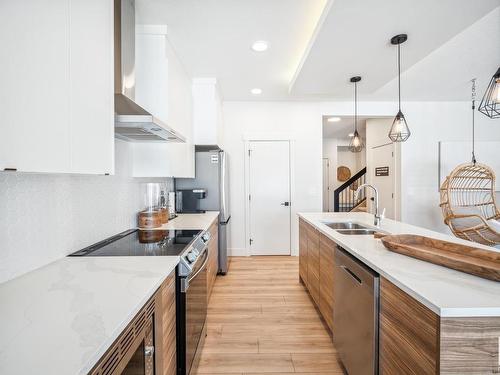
(191, 255)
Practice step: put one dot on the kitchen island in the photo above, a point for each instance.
(432, 319)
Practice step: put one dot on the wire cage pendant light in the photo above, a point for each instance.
(400, 131)
(356, 143)
(490, 104)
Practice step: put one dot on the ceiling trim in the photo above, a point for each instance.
(312, 40)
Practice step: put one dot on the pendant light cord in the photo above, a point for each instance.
(399, 77)
(355, 107)
(473, 97)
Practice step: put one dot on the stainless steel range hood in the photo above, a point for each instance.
(132, 122)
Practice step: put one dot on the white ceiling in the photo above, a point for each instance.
(213, 38)
(355, 40)
(341, 129)
(316, 45)
(445, 73)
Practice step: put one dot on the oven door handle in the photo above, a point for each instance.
(192, 277)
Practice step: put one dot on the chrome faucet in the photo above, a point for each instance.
(377, 216)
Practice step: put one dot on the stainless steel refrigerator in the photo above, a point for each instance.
(211, 174)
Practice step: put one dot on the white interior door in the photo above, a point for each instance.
(383, 156)
(326, 185)
(269, 197)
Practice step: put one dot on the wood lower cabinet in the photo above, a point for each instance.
(415, 340)
(313, 263)
(409, 334)
(316, 267)
(303, 251)
(165, 328)
(213, 256)
(470, 345)
(326, 269)
(156, 317)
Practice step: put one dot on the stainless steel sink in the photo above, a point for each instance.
(345, 225)
(356, 232)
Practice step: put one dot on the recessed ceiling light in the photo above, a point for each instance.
(260, 46)
(351, 135)
(333, 119)
(256, 91)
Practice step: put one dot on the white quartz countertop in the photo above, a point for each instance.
(60, 319)
(191, 221)
(447, 292)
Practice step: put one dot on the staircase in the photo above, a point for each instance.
(343, 196)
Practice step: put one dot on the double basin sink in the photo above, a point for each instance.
(350, 228)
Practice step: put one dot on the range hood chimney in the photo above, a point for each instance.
(132, 122)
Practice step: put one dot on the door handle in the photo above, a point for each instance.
(285, 204)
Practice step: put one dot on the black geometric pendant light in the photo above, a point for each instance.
(490, 104)
(356, 144)
(400, 131)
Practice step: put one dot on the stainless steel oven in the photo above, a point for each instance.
(191, 308)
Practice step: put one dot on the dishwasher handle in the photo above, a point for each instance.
(352, 274)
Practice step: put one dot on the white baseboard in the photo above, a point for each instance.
(242, 252)
(237, 252)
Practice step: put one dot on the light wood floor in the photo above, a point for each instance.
(262, 320)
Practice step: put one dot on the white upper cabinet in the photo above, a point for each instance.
(56, 96)
(207, 112)
(34, 89)
(163, 88)
(92, 86)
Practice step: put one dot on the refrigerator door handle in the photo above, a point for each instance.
(225, 222)
(223, 182)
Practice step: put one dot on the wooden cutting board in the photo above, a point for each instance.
(468, 259)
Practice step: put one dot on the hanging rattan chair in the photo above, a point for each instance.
(469, 206)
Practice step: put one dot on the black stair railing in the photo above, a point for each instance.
(344, 199)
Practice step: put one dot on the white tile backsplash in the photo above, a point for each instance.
(44, 217)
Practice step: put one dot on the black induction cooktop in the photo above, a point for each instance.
(142, 243)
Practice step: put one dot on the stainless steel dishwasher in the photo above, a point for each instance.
(355, 314)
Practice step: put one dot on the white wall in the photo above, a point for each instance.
(300, 122)
(377, 130)
(330, 152)
(44, 217)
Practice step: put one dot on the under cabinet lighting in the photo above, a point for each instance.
(333, 119)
